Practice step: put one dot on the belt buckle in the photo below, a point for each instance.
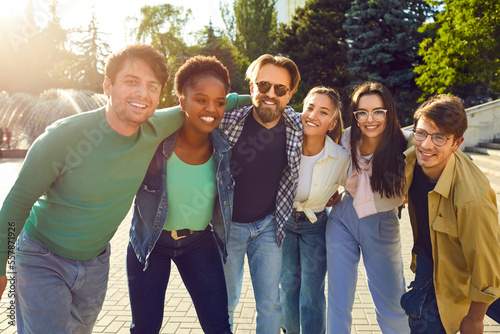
(175, 236)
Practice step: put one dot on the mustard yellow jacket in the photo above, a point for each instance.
(465, 237)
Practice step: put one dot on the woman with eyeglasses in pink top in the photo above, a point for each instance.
(365, 219)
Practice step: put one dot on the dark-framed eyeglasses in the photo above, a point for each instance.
(265, 86)
(377, 115)
(437, 139)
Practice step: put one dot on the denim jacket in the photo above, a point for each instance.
(151, 204)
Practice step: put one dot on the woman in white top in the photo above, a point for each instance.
(323, 167)
(365, 219)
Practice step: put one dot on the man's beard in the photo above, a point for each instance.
(268, 114)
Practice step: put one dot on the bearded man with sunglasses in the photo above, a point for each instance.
(454, 217)
(266, 141)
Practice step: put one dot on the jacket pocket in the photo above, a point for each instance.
(444, 225)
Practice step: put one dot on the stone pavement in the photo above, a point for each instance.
(180, 316)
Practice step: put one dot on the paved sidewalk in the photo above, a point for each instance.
(180, 316)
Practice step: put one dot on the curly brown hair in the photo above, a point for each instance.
(197, 67)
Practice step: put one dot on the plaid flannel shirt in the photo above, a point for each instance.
(232, 125)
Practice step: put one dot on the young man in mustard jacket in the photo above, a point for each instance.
(454, 218)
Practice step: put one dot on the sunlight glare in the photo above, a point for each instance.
(12, 8)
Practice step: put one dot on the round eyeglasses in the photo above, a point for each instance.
(377, 115)
(437, 139)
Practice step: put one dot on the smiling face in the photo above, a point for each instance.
(133, 97)
(430, 157)
(371, 128)
(204, 104)
(268, 107)
(318, 115)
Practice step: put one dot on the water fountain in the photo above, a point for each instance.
(27, 116)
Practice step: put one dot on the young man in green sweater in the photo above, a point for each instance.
(74, 189)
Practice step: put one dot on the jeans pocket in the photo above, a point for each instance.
(27, 245)
(413, 300)
(103, 258)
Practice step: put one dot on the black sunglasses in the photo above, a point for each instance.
(265, 86)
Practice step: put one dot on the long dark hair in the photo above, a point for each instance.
(388, 167)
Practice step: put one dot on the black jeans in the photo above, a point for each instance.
(200, 266)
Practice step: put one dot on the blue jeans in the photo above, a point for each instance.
(303, 274)
(258, 241)
(377, 237)
(55, 294)
(420, 301)
(198, 261)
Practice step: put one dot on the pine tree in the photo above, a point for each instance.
(214, 43)
(316, 41)
(87, 69)
(384, 42)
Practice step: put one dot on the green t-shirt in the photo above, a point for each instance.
(191, 193)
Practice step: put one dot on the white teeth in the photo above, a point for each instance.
(208, 119)
(371, 127)
(268, 102)
(137, 105)
(426, 154)
(312, 124)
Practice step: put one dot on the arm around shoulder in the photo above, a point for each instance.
(233, 100)
(169, 120)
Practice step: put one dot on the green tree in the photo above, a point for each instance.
(252, 26)
(462, 53)
(162, 27)
(384, 41)
(316, 41)
(86, 69)
(214, 43)
(51, 44)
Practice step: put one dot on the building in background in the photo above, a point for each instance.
(291, 6)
